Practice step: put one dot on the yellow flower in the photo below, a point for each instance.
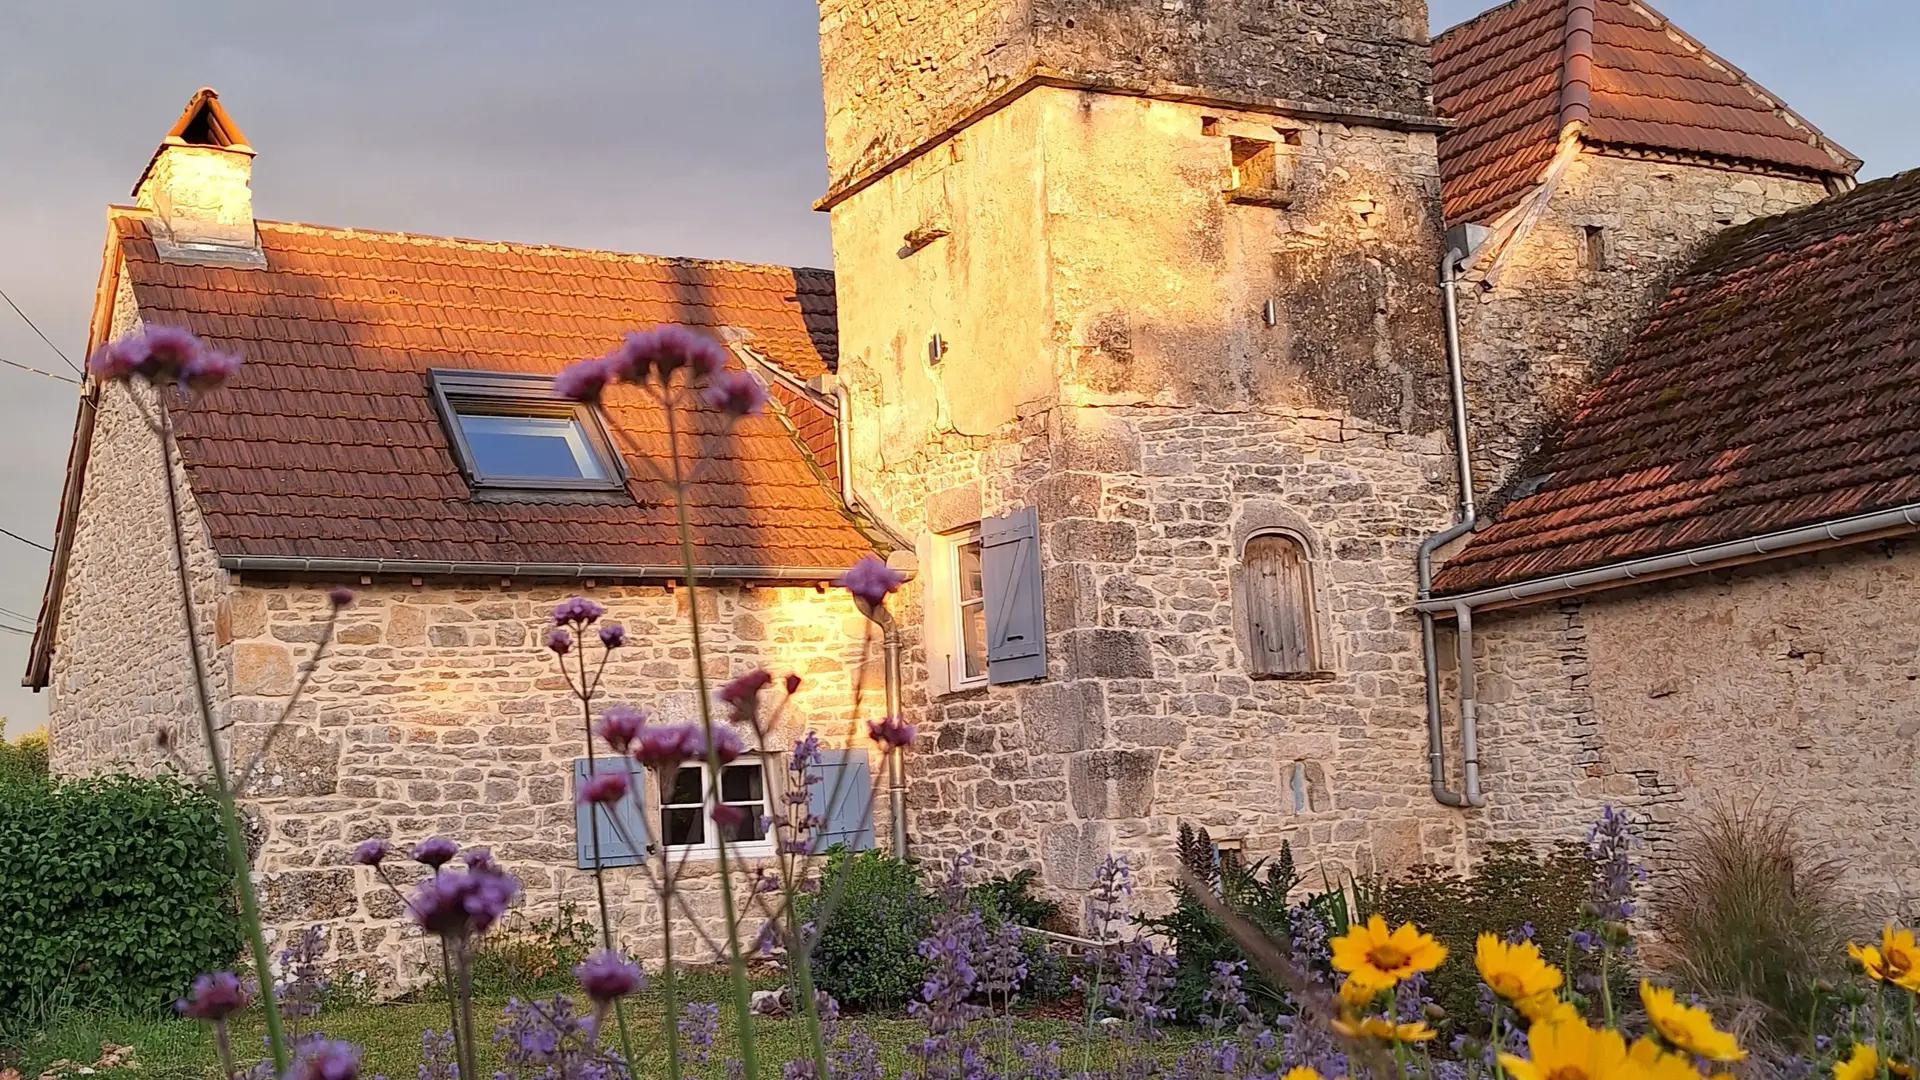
(1655, 1063)
(1686, 1027)
(1373, 953)
(1546, 1008)
(1359, 991)
(1515, 972)
(1572, 1051)
(1861, 1066)
(1900, 1068)
(1301, 1072)
(1379, 1027)
(1896, 961)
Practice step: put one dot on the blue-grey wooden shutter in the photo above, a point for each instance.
(1010, 572)
(843, 799)
(623, 826)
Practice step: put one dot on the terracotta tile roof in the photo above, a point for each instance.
(1778, 385)
(327, 444)
(1515, 76)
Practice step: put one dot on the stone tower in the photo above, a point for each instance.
(1157, 277)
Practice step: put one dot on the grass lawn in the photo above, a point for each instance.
(168, 1048)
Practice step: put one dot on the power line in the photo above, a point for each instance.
(36, 329)
(37, 371)
(24, 540)
(16, 630)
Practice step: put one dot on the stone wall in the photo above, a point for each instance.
(897, 73)
(1108, 361)
(1798, 688)
(1538, 340)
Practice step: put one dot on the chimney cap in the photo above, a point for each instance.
(204, 122)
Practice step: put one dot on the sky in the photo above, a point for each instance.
(674, 127)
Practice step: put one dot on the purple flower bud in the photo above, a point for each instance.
(326, 1059)
(613, 635)
(372, 852)
(559, 641)
(209, 369)
(606, 787)
(213, 997)
(793, 683)
(728, 816)
(606, 977)
(871, 580)
(339, 596)
(665, 746)
(746, 687)
(480, 860)
(620, 725)
(892, 732)
(435, 851)
(161, 354)
(737, 393)
(579, 610)
(583, 380)
(457, 905)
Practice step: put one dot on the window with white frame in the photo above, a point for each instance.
(688, 800)
(969, 611)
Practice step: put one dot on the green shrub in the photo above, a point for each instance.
(1513, 888)
(1012, 898)
(113, 892)
(24, 758)
(1257, 891)
(529, 958)
(1753, 919)
(867, 954)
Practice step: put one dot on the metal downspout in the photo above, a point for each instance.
(1468, 516)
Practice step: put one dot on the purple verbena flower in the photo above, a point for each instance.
(161, 354)
(326, 1059)
(745, 687)
(577, 610)
(339, 596)
(559, 641)
(435, 851)
(480, 860)
(456, 905)
(793, 683)
(620, 725)
(372, 852)
(209, 368)
(666, 746)
(737, 393)
(871, 580)
(613, 635)
(728, 816)
(583, 380)
(214, 997)
(644, 355)
(607, 976)
(892, 733)
(605, 787)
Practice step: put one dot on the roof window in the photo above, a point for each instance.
(509, 431)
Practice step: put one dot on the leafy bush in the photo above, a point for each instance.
(531, 957)
(24, 758)
(113, 892)
(1513, 890)
(1012, 898)
(872, 914)
(1753, 918)
(1257, 891)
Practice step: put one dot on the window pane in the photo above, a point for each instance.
(970, 571)
(973, 639)
(530, 447)
(741, 784)
(751, 828)
(683, 825)
(686, 787)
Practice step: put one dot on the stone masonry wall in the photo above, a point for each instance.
(897, 73)
(1798, 688)
(120, 666)
(1107, 361)
(1535, 343)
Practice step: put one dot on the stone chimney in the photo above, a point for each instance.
(197, 187)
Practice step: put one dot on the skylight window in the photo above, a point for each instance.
(508, 431)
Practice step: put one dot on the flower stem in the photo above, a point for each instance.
(593, 829)
(669, 990)
(224, 1044)
(223, 792)
(453, 1001)
(469, 1063)
(737, 962)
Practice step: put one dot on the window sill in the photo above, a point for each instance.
(1273, 197)
(757, 850)
(1296, 676)
(964, 690)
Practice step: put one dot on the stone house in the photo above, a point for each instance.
(1137, 352)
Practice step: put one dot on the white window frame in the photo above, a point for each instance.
(710, 833)
(956, 612)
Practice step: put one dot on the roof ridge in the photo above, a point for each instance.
(471, 243)
(1576, 63)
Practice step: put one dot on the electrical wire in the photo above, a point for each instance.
(37, 371)
(24, 540)
(36, 329)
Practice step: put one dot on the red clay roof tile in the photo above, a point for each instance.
(1777, 386)
(326, 445)
(1499, 77)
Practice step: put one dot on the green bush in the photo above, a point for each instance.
(872, 911)
(24, 758)
(1003, 899)
(529, 958)
(1513, 888)
(1257, 891)
(113, 892)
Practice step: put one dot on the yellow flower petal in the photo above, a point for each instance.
(1515, 971)
(1864, 1064)
(1686, 1027)
(1383, 955)
(1301, 1072)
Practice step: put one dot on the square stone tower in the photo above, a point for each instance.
(1155, 282)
